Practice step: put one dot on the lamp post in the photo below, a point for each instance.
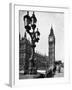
(30, 26)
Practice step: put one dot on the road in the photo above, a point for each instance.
(22, 76)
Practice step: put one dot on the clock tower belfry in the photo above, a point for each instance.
(51, 42)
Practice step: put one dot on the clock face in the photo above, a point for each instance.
(51, 39)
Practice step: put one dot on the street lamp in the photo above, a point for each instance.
(27, 22)
(30, 26)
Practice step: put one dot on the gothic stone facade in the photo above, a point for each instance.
(24, 53)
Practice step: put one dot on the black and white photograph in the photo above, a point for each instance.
(41, 44)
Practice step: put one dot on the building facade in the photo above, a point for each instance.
(24, 53)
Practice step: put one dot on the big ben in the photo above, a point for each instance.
(51, 42)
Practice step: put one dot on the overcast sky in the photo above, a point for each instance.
(44, 22)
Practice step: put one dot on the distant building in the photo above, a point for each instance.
(51, 43)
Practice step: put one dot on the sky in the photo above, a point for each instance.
(44, 22)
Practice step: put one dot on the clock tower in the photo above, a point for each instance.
(51, 42)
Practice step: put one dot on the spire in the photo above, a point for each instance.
(51, 31)
(33, 12)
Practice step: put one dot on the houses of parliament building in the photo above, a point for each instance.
(41, 61)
